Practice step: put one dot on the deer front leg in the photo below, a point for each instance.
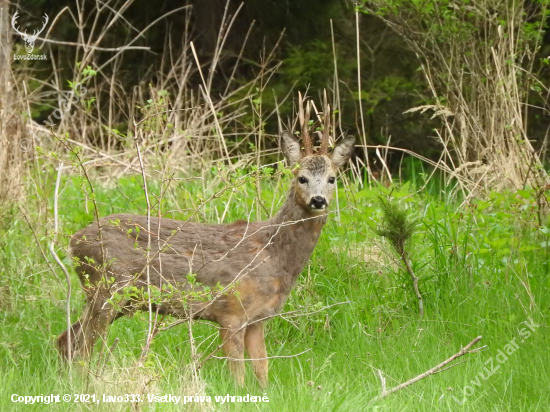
(254, 342)
(233, 348)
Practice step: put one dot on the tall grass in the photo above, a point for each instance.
(175, 106)
(483, 271)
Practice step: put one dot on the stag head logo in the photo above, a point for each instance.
(29, 39)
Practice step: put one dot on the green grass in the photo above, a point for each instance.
(483, 270)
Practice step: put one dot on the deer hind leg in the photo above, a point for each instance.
(233, 348)
(63, 340)
(254, 342)
(98, 314)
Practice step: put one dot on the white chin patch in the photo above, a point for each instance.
(317, 209)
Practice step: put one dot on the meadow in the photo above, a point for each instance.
(121, 99)
(482, 264)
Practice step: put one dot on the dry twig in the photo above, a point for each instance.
(464, 351)
(60, 263)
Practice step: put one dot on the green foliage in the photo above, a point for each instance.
(309, 64)
(88, 72)
(396, 225)
(462, 21)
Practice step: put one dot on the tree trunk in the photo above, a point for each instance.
(11, 125)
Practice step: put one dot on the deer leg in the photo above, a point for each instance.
(254, 342)
(63, 340)
(98, 314)
(97, 317)
(233, 348)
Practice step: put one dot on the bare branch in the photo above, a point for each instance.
(293, 314)
(464, 351)
(268, 357)
(105, 49)
(60, 263)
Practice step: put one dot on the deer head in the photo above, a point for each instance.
(316, 173)
(29, 40)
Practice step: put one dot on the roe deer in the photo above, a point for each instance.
(259, 261)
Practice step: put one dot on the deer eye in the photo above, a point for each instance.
(302, 180)
(331, 180)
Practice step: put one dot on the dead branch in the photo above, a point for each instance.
(268, 357)
(150, 327)
(464, 351)
(60, 263)
(293, 314)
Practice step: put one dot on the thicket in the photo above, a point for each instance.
(479, 60)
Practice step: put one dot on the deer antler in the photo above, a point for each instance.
(14, 22)
(37, 32)
(25, 35)
(304, 123)
(326, 127)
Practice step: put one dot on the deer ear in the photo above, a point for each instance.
(291, 148)
(342, 152)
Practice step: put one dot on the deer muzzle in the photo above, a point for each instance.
(318, 203)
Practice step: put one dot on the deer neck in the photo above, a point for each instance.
(296, 232)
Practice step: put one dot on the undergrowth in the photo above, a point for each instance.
(483, 269)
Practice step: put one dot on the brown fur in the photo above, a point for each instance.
(257, 262)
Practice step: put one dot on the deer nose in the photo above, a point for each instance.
(318, 202)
